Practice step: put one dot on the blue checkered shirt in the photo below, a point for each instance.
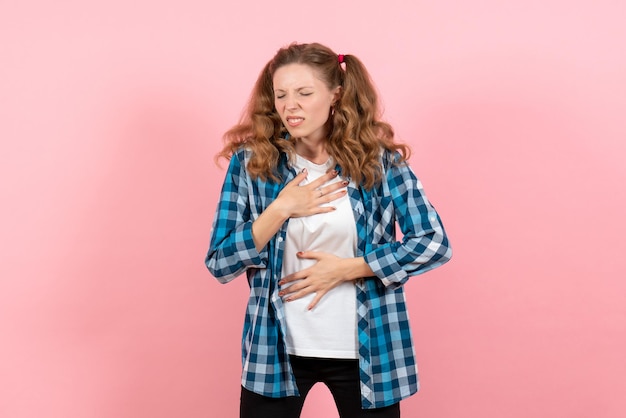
(388, 372)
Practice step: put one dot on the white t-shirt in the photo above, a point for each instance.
(329, 329)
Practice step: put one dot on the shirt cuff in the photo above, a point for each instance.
(383, 263)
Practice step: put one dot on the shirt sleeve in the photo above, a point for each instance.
(424, 245)
(232, 249)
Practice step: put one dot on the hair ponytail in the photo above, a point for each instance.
(358, 131)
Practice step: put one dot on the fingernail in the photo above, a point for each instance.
(299, 253)
(304, 170)
(345, 183)
(335, 172)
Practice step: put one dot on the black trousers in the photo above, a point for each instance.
(340, 376)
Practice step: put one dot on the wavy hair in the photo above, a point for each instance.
(355, 130)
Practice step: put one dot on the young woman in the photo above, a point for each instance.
(315, 188)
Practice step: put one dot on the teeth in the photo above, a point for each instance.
(295, 119)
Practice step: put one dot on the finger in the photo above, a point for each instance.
(299, 294)
(289, 290)
(313, 255)
(322, 179)
(322, 209)
(327, 198)
(293, 277)
(299, 178)
(329, 193)
(316, 299)
(334, 187)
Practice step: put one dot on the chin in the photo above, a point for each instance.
(296, 133)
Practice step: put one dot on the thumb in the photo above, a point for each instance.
(309, 255)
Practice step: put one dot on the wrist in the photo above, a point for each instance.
(278, 211)
(356, 268)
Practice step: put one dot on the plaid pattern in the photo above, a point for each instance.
(386, 356)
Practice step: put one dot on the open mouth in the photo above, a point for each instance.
(294, 121)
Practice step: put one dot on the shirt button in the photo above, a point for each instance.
(280, 239)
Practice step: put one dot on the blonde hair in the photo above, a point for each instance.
(355, 132)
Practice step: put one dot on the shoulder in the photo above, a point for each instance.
(391, 159)
(244, 162)
(240, 158)
(242, 153)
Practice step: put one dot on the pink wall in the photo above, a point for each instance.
(110, 114)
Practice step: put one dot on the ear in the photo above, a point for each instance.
(336, 94)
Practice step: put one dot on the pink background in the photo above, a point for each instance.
(111, 112)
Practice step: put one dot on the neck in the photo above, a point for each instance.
(314, 152)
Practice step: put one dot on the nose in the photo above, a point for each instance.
(291, 102)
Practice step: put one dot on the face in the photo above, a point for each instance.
(303, 101)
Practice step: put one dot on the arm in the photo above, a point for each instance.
(232, 249)
(423, 247)
(425, 244)
(239, 242)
